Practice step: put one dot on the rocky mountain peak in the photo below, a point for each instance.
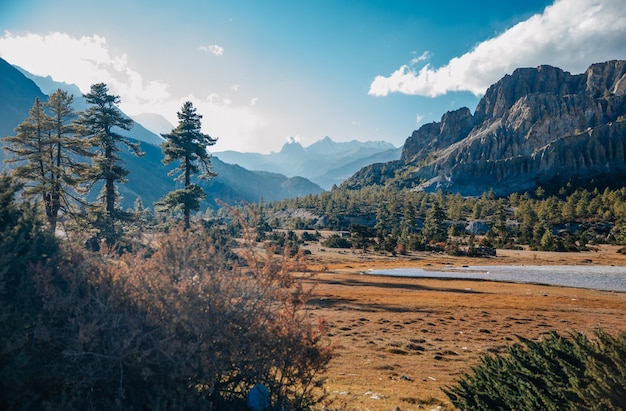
(606, 77)
(454, 126)
(535, 126)
(501, 96)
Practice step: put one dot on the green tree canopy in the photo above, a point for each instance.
(187, 145)
(48, 153)
(101, 124)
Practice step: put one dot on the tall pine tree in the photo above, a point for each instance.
(48, 153)
(187, 145)
(101, 124)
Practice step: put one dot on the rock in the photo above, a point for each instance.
(258, 398)
(536, 126)
(477, 227)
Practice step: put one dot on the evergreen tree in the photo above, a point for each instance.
(555, 373)
(361, 236)
(47, 151)
(187, 145)
(101, 123)
(67, 148)
(434, 224)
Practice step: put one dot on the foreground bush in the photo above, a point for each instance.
(184, 329)
(555, 373)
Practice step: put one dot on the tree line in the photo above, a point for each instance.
(60, 155)
(398, 219)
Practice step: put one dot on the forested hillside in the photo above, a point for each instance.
(396, 220)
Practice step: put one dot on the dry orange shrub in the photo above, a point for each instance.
(186, 327)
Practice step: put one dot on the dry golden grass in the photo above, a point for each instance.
(400, 340)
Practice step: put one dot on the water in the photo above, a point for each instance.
(608, 278)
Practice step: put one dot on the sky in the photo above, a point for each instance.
(264, 72)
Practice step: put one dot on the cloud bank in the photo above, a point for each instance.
(81, 61)
(570, 34)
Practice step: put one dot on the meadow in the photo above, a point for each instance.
(399, 341)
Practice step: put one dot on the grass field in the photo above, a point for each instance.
(400, 340)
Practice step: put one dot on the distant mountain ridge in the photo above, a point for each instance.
(148, 177)
(49, 86)
(324, 162)
(535, 127)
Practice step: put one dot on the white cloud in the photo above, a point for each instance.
(213, 49)
(419, 118)
(422, 57)
(82, 61)
(237, 127)
(570, 34)
(87, 60)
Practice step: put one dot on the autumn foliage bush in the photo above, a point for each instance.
(185, 328)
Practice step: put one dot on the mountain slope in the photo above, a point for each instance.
(49, 86)
(537, 126)
(148, 177)
(325, 162)
(17, 95)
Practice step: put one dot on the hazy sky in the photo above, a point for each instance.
(263, 71)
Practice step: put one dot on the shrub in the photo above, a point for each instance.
(555, 373)
(336, 241)
(184, 328)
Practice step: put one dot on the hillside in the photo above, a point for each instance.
(148, 177)
(535, 127)
(324, 162)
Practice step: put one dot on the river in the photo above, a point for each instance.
(607, 278)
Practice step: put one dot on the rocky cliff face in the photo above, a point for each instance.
(533, 127)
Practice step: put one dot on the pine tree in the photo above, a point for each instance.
(48, 152)
(67, 151)
(434, 224)
(554, 373)
(187, 145)
(100, 124)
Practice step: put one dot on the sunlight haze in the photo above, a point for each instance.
(264, 73)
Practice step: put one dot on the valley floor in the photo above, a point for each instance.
(400, 340)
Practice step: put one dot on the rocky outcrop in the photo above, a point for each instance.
(533, 127)
(454, 126)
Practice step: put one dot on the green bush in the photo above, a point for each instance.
(555, 373)
(336, 241)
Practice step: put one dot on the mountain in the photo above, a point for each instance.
(156, 123)
(148, 177)
(535, 127)
(324, 162)
(49, 86)
(233, 185)
(22, 94)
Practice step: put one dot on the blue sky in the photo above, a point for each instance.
(265, 71)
